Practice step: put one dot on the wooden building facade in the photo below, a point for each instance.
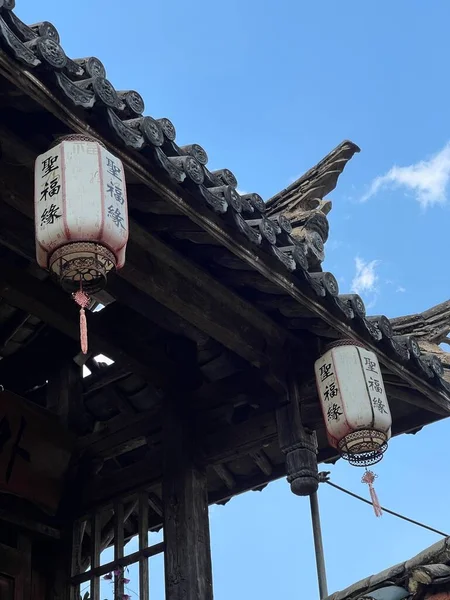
(213, 327)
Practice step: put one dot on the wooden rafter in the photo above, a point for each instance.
(175, 282)
(211, 224)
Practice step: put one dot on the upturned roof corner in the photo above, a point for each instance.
(304, 202)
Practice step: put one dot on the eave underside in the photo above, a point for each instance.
(194, 306)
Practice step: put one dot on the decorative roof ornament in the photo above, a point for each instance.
(305, 205)
(81, 217)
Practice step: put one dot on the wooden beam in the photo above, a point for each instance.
(120, 435)
(200, 302)
(229, 443)
(187, 556)
(103, 378)
(119, 545)
(248, 383)
(226, 235)
(155, 504)
(225, 475)
(11, 327)
(190, 292)
(263, 462)
(44, 356)
(65, 398)
(144, 583)
(107, 334)
(122, 562)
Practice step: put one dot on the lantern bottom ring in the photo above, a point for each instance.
(82, 265)
(363, 447)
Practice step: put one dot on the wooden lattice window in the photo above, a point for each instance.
(97, 532)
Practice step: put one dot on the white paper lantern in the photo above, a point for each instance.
(81, 215)
(354, 403)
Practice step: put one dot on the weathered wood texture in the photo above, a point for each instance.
(173, 281)
(304, 205)
(432, 325)
(187, 556)
(169, 264)
(298, 445)
(431, 328)
(253, 252)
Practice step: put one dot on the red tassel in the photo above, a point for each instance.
(369, 477)
(83, 301)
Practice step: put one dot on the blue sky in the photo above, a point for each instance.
(268, 88)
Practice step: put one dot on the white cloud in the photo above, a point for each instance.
(365, 280)
(400, 290)
(427, 180)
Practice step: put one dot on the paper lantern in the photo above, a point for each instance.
(354, 403)
(81, 216)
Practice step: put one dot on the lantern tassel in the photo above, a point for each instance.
(83, 301)
(83, 331)
(369, 477)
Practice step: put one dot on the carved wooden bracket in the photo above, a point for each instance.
(298, 445)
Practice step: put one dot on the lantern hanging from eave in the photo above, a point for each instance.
(354, 403)
(81, 217)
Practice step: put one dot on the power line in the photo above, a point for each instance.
(391, 512)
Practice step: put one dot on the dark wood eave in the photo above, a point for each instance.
(319, 301)
(204, 275)
(431, 328)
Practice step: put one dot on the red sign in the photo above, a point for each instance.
(35, 451)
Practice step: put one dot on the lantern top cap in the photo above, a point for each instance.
(76, 137)
(344, 342)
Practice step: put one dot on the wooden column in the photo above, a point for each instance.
(188, 569)
(65, 396)
(298, 445)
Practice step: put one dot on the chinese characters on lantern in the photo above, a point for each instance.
(115, 192)
(353, 401)
(374, 384)
(49, 190)
(330, 391)
(80, 196)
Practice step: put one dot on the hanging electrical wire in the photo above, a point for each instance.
(323, 478)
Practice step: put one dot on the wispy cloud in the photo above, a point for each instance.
(427, 180)
(400, 290)
(365, 280)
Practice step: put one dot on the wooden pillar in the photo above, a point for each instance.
(188, 569)
(65, 396)
(298, 445)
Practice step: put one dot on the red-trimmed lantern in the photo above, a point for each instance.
(81, 216)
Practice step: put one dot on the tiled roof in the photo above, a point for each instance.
(82, 83)
(429, 568)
